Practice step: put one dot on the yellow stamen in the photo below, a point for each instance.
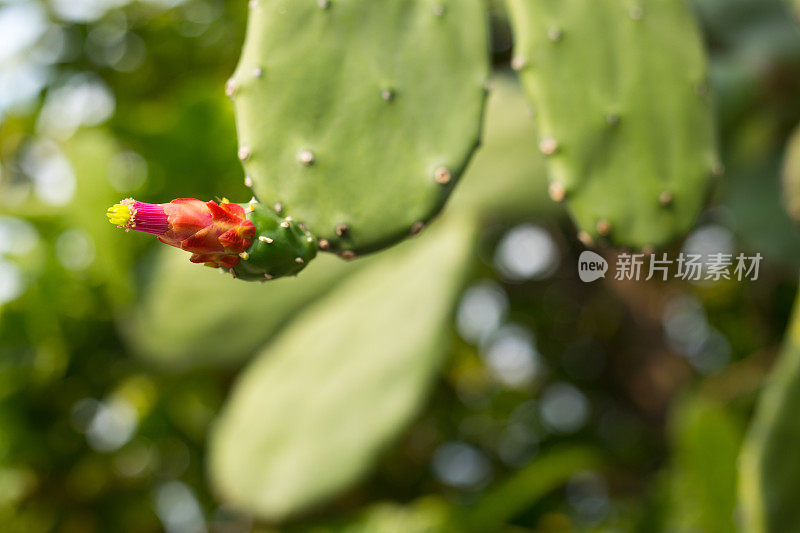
(119, 214)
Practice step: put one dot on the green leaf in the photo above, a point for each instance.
(705, 441)
(314, 410)
(425, 515)
(543, 475)
(769, 479)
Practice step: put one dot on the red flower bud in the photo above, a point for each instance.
(214, 233)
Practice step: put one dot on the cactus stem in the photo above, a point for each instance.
(342, 229)
(717, 169)
(387, 94)
(518, 63)
(612, 119)
(267, 240)
(555, 34)
(306, 157)
(244, 153)
(636, 13)
(557, 192)
(548, 146)
(324, 244)
(299, 260)
(439, 10)
(248, 181)
(253, 4)
(323, 4)
(603, 227)
(442, 175)
(244, 255)
(665, 198)
(417, 227)
(258, 72)
(230, 87)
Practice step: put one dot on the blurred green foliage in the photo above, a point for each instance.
(705, 439)
(368, 372)
(116, 358)
(770, 474)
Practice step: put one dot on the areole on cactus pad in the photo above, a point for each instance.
(252, 241)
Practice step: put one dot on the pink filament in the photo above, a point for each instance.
(149, 218)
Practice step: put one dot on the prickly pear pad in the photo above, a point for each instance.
(359, 116)
(620, 94)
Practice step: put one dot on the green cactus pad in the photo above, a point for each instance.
(281, 247)
(213, 331)
(357, 116)
(623, 110)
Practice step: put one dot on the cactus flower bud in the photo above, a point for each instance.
(215, 234)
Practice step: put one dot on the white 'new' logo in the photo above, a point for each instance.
(591, 266)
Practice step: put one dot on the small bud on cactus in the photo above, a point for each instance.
(223, 235)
